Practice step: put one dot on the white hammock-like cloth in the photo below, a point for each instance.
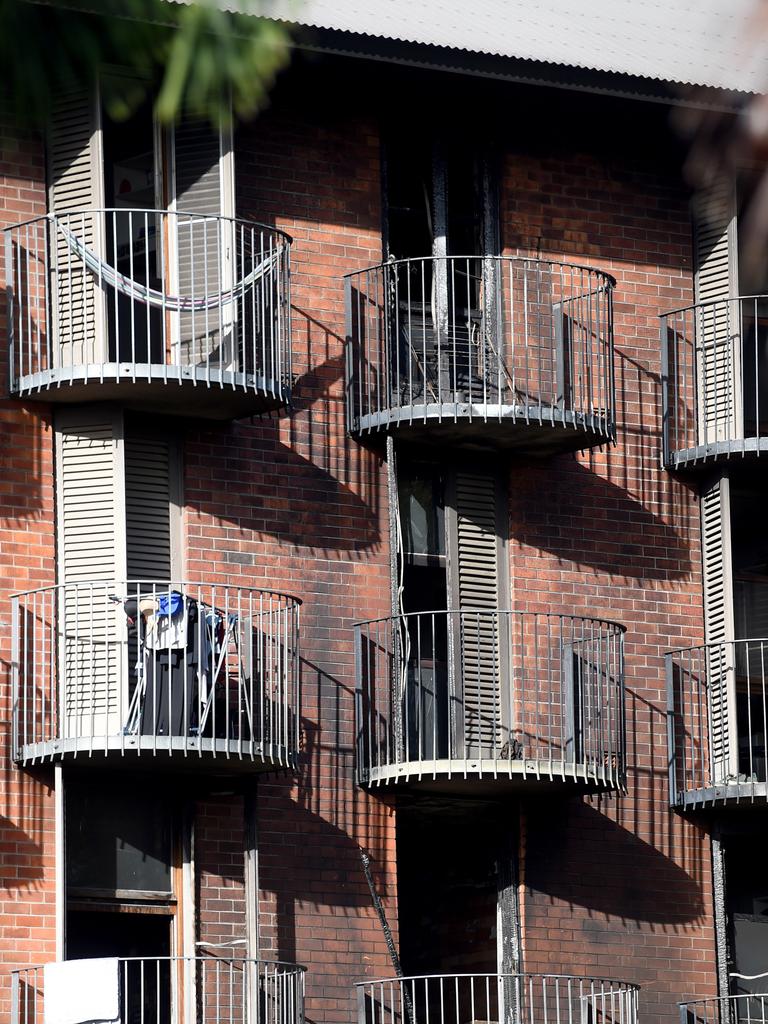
(151, 296)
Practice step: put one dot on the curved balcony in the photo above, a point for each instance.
(179, 674)
(745, 1008)
(167, 990)
(492, 998)
(488, 352)
(715, 381)
(164, 311)
(717, 708)
(478, 699)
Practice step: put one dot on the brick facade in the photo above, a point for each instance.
(616, 886)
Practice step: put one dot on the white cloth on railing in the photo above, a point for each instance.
(81, 991)
(151, 296)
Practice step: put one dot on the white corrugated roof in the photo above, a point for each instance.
(719, 43)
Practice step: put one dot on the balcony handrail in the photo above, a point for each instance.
(470, 692)
(191, 989)
(713, 380)
(159, 585)
(192, 214)
(717, 720)
(717, 643)
(117, 294)
(505, 998)
(610, 280)
(738, 1008)
(585, 979)
(288, 965)
(132, 666)
(704, 303)
(469, 609)
(460, 339)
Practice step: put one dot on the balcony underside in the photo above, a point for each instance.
(706, 455)
(170, 753)
(730, 794)
(489, 775)
(197, 391)
(532, 430)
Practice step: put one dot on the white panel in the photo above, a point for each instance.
(204, 246)
(719, 357)
(75, 191)
(477, 546)
(149, 467)
(91, 554)
(718, 622)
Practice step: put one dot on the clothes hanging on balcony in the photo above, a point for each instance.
(81, 991)
(173, 666)
(165, 618)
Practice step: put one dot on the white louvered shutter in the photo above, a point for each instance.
(75, 191)
(150, 507)
(718, 623)
(717, 327)
(202, 170)
(482, 653)
(91, 566)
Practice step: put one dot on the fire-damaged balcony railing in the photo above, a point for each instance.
(744, 1008)
(496, 999)
(165, 990)
(717, 710)
(146, 668)
(119, 302)
(477, 694)
(511, 350)
(715, 380)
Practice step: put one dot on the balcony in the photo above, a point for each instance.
(745, 1008)
(717, 710)
(479, 700)
(184, 675)
(496, 999)
(486, 352)
(715, 381)
(164, 311)
(174, 990)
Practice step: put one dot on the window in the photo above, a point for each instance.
(452, 587)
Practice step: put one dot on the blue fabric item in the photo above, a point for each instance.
(174, 599)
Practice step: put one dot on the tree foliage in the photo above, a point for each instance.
(196, 57)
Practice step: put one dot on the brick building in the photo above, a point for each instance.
(350, 501)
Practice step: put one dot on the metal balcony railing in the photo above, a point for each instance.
(715, 380)
(183, 990)
(717, 710)
(491, 694)
(505, 348)
(147, 668)
(738, 1009)
(102, 302)
(496, 999)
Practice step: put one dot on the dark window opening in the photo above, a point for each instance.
(746, 899)
(131, 239)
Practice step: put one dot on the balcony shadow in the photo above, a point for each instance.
(26, 816)
(581, 857)
(277, 473)
(575, 520)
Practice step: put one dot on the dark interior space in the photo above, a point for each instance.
(448, 855)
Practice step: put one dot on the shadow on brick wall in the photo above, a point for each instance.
(26, 815)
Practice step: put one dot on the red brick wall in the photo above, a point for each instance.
(294, 504)
(220, 873)
(618, 887)
(27, 900)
